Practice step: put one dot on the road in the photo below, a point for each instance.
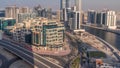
(114, 50)
(79, 46)
(3, 61)
(28, 56)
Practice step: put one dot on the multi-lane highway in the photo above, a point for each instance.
(28, 56)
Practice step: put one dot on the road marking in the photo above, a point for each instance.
(38, 56)
(29, 56)
(48, 60)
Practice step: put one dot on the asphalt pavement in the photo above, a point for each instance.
(4, 61)
(30, 57)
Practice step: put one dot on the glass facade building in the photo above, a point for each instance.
(6, 22)
(64, 4)
(92, 15)
(2, 13)
(104, 18)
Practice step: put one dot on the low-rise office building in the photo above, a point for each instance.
(21, 34)
(4, 22)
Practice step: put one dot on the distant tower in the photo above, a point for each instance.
(75, 19)
(92, 17)
(24, 10)
(75, 24)
(105, 18)
(64, 5)
(11, 12)
(78, 5)
(77, 15)
(67, 3)
(111, 19)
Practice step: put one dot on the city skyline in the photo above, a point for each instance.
(55, 4)
(59, 34)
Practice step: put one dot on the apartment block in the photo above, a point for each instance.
(42, 32)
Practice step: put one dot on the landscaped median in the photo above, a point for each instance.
(75, 63)
(96, 54)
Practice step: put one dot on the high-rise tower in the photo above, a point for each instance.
(67, 3)
(64, 5)
(75, 19)
(78, 5)
(11, 12)
(105, 18)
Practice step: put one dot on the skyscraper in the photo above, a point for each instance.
(104, 18)
(111, 19)
(99, 18)
(75, 24)
(92, 16)
(78, 5)
(64, 5)
(67, 3)
(43, 12)
(77, 17)
(11, 12)
(2, 13)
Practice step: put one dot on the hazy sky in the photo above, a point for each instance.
(86, 4)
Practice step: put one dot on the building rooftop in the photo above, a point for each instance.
(5, 18)
(41, 21)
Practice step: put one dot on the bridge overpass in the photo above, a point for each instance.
(30, 57)
(115, 51)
